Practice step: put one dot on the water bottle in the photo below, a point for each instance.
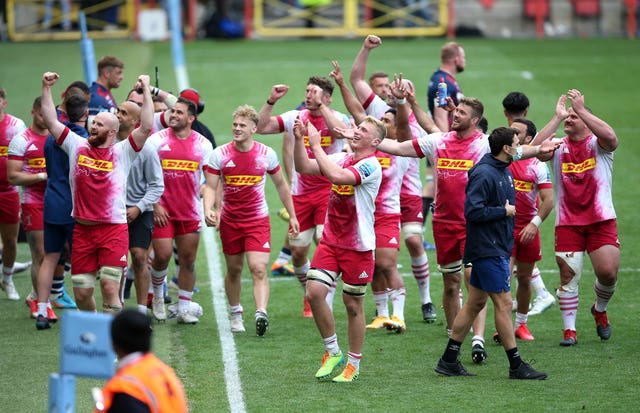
(442, 93)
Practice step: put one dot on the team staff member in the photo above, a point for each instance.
(143, 383)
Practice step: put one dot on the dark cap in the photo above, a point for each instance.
(131, 331)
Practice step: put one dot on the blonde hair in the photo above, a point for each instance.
(247, 111)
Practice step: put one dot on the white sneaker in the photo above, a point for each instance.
(185, 317)
(194, 309)
(237, 326)
(10, 289)
(20, 266)
(540, 304)
(158, 308)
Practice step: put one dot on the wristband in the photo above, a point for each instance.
(155, 91)
(536, 221)
(41, 176)
(401, 101)
(270, 103)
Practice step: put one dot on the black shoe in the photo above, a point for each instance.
(42, 323)
(496, 338)
(451, 369)
(167, 299)
(478, 353)
(262, 322)
(526, 372)
(429, 313)
(127, 288)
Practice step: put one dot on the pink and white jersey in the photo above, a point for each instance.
(159, 122)
(583, 172)
(529, 177)
(243, 175)
(304, 184)
(28, 147)
(411, 182)
(393, 170)
(452, 157)
(98, 177)
(183, 162)
(349, 222)
(10, 126)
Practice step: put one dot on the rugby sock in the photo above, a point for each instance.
(7, 274)
(184, 299)
(381, 298)
(568, 303)
(514, 358)
(398, 297)
(538, 283)
(477, 340)
(57, 286)
(521, 319)
(354, 359)
(603, 295)
(420, 268)
(301, 273)
(284, 256)
(451, 352)
(42, 309)
(236, 311)
(331, 344)
(157, 280)
(142, 309)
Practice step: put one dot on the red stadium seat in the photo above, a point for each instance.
(533, 8)
(586, 8)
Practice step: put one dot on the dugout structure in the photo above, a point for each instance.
(346, 18)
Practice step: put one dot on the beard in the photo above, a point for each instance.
(97, 140)
(459, 68)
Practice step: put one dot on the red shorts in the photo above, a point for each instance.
(530, 252)
(411, 208)
(387, 227)
(174, 228)
(238, 237)
(587, 237)
(356, 266)
(311, 209)
(450, 240)
(32, 217)
(96, 246)
(9, 207)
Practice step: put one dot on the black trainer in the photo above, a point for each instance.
(262, 322)
(429, 313)
(451, 369)
(526, 372)
(478, 353)
(42, 322)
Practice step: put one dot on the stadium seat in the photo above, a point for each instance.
(533, 8)
(586, 8)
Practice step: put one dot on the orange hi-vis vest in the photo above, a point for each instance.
(149, 380)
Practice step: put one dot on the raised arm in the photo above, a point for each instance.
(607, 138)
(359, 68)
(303, 164)
(551, 127)
(141, 133)
(422, 117)
(334, 173)
(267, 123)
(405, 148)
(49, 115)
(350, 102)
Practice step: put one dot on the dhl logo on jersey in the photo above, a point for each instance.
(242, 180)
(180, 165)
(324, 141)
(385, 162)
(97, 164)
(522, 186)
(576, 168)
(37, 163)
(458, 164)
(343, 189)
(4, 151)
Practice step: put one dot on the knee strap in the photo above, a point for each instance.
(574, 261)
(327, 278)
(451, 268)
(83, 280)
(110, 273)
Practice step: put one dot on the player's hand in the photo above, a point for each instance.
(294, 227)
(299, 129)
(576, 98)
(142, 83)
(211, 218)
(277, 92)
(336, 73)
(372, 41)
(50, 78)
(561, 109)
(528, 233)
(133, 212)
(160, 216)
(550, 144)
(397, 87)
(313, 134)
(346, 133)
(511, 209)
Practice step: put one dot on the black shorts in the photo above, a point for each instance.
(140, 231)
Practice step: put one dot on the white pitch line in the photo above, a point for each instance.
(219, 300)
